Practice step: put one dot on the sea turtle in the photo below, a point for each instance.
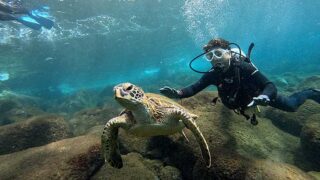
(145, 115)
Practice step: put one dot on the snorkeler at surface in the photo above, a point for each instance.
(240, 84)
(34, 19)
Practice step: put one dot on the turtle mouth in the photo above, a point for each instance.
(119, 93)
(123, 97)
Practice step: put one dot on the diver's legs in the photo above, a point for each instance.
(7, 8)
(292, 103)
(6, 17)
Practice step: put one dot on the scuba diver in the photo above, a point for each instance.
(34, 19)
(240, 84)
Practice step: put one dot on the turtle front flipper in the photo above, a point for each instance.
(191, 125)
(109, 140)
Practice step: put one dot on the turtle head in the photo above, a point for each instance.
(129, 95)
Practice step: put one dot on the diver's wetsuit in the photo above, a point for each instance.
(252, 83)
(7, 12)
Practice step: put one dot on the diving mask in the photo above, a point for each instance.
(220, 58)
(234, 52)
(216, 54)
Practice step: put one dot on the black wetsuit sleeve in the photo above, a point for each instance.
(268, 88)
(265, 86)
(198, 86)
(262, 82)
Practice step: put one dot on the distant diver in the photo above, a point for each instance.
(240, 84)
(34, 19)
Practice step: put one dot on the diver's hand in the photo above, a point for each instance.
(170, 92)
(262, 100)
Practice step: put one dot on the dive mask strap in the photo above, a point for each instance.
(190, 64)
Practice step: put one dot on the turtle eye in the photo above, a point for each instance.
(129, 88)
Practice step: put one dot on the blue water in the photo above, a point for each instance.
(98, 43)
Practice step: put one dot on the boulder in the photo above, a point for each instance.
(127, 142)
(226, 164)
(85, 119)
(75, 158)
(315, 174)
(20, 99)
(286, 82)
(266, 169)
(13, 109)
(75, 102)
(292, 122)
(310, 139)
(20, 114)
(310, 82)
(36, 131)
(137, 167)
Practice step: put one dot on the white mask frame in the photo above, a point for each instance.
(216, 54)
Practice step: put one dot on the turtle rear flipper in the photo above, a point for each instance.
(115, 160)
(109, 140)
(190, 124)
(184, 135)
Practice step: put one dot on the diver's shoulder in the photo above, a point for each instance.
(248, 66)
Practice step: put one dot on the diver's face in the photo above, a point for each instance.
(219, 58)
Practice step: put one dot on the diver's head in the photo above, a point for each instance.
(217, 42)
(219, 54)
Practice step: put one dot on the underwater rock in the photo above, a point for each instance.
(226, 164)
(266, 169)
(130, 143)
(6, 105)
(106, 92)
(83, 120)
(95, 130)
(21, 99)
(74, 158)
(292, 122)
(171, 150)
(286, 82)
(310, 82)
(76, 102)
(316, 175)
(127, 143)
(137, 167)
(280, 82)
(174, 150)
(310, 139)
(14, 108)
(19, 114)
(35, 131)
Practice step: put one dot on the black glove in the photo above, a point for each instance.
(170, 92)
